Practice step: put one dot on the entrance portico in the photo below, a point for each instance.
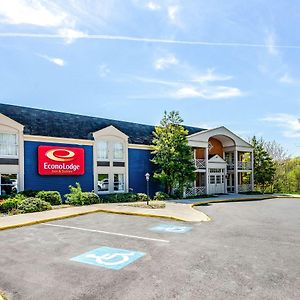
(223, 161)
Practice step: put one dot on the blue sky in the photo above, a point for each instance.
(230, 63)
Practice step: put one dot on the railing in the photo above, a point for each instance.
(230, 166)
(194, 191)
(244, 188)
(200, 163)
(244, 165)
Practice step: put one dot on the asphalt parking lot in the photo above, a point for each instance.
(250, 250)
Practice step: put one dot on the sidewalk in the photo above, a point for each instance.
(181, 210)
(175, 211)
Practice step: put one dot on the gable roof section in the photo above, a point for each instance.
(66, 125)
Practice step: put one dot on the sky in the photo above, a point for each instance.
(219, 63)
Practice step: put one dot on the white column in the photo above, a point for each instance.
(236, 178)
(206, 170)
(252, 171)
(21, 158)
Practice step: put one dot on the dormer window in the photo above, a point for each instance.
(102, 150)
(118, 151)
(8, 144)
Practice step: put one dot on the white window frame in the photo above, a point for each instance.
(108, 188)
(122, 190)
(123, 151)
(107, 150)
(5, 184)
(16, 145)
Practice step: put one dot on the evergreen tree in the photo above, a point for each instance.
(264, 166)
(171, 153)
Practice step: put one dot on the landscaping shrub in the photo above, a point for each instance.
(161, 196)
(9, 204)
(142, 197)
(77, 197)
(119, 198)
(90, 198)
(53, 197)
(29, 193)
(32, 205)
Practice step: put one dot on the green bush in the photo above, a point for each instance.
(90, 198)
(29, 193)
(142, 197)
(161, 196)
(53, 197)
(75, 195)
(9, 204)
(119, 198)
(29, 205)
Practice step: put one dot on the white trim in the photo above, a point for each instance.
(8, 125)
(51, 139)
(222, 130)
(140, 146)
(109, 131)
(111, 135)
(6, 121)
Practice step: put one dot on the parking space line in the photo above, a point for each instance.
(108, 232)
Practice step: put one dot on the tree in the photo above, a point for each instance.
(264, 166)
(171, 153)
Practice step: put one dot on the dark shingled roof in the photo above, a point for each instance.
(66, 125)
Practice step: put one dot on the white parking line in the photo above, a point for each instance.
(108, 232)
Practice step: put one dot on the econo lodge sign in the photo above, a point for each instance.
(60, 160)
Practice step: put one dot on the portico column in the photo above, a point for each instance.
(236, 175)
(206, 170)
(252, 171)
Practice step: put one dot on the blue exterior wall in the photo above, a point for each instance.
(138, 165)
(34, 181)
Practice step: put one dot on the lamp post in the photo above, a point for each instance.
(147, 175)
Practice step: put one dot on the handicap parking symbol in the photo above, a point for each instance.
(171, 228)
(111, 258)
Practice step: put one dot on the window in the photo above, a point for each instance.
(212, 179)
(218, 178)
(118, 151)
(102, 150)
(103, 182)
(119, 182)
(8, 144)
(8, 183)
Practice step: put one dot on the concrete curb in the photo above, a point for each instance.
(90, 212)
(242, 199)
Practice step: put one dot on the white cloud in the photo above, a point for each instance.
(209, 92)
(287, 79)
(55, 60)
(104, 70)
(188, 92)
(173, 14)
(35, 12)
(70, 35)
(164, 62)
(271, 45)
(153, 5)
(289, 124)
(210, 76)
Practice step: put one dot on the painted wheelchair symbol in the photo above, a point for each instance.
(111, 259)
(107, 257)
(171, 228)
(175, 229)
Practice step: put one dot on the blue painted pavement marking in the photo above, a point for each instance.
(171, 228)
(111, 258)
